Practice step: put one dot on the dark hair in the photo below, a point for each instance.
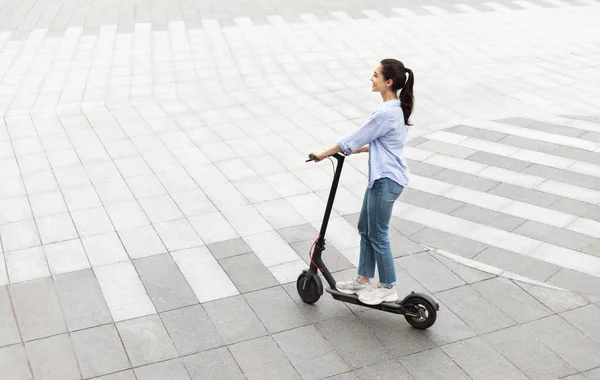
(395, 70)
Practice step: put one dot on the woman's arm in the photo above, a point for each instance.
(336, 149)
(364, 149)
(326, 153)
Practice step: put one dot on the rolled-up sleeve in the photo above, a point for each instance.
(376, 126)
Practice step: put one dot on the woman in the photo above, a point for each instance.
(383, 136)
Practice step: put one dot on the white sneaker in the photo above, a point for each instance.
(378, 295)
(353, 287)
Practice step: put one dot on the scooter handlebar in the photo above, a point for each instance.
(337, 156)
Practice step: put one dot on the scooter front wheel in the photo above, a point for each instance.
(425, 310)
(309, 288)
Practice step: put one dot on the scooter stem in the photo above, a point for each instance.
(336, 179)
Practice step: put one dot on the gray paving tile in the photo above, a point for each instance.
(402, 245)
(445, 148)
(430, 201)
(285, 316)
(298, 233)
(481, 361)
(81, 300)
(554, 235)
(229, 248)
(430, 272)
(396, 335)
(53, 358)
(353, 340)
(449, 328)
(541, 126)
(146, 340)
(593, 374)
(248, 273)
(14, 364)
(479, 133)
(99, 351)
(592, 119)
(234, 319)
(164, 282)
(390, 369)
(499, 161)
(344, 376)
(517, 263)
(350, 218)
(326, 308)
(566, 176)
(431, 364)
(512, 300)
(593, 249)
(581, 352)
(578, 208)
(465, 180)
(319, 362)
(416, 141)
(574, 377)
(448, 242)
(522, 194)
(9, 331)
(423, 169)
(169, 370)
(334, 260)
(528, 354)
(405, 227)
(217, 364)
(261, 358)
(488, 217)
(191, 330)
(585, 320)
(406, 282)
(525, 143)
(37, 309)
(466, 273)
(123, 375)
(587, 286)
(577, 154)
(557, 300)
(479, 313)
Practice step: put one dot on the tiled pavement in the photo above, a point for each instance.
(155, 207)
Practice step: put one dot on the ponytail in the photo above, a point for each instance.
(407, 98)
(395, 70)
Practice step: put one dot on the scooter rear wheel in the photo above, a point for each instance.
(308, 288)
(426, 311)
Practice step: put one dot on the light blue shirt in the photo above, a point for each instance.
(385, 132)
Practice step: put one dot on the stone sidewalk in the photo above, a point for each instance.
(156, 209)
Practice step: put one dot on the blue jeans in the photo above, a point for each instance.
(373, 226)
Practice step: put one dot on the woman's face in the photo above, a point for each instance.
(379, 84)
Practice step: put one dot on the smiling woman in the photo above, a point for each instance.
(384, 137)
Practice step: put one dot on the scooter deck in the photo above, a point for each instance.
(391, 307)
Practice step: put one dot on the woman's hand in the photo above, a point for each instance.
(329, 152)
(318, 156)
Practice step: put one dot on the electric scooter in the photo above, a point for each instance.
(420, 310)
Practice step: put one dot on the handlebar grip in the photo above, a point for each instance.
(337, 156)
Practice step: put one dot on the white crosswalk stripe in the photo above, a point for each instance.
(498, 203)
(509, 176)
(547, 252)
(537, 135)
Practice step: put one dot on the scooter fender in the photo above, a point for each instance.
(316, 279)
(426, 297)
